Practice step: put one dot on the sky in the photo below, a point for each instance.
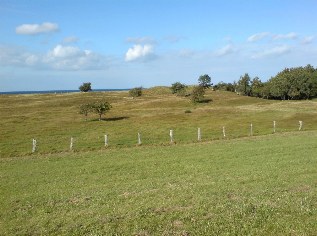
(114, 44)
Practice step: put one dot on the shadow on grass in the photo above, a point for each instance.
(111, 118)
(205, 100)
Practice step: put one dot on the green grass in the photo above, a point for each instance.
(52, 119)
(264, 185)
(240, 185)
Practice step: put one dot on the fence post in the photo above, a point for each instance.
(199, 135)
(224, 131)
(139, 139)
(300, 125)
(171, 136)
(33, 145)
(274, 127)
(71, 143)
(251, 130)
(106, 140)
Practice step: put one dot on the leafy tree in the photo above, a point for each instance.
(101, 108)
(257, 87)
(294, 83)
(243, 85)
(197, 94)
(84, 109)
(136, 92)
(224, 86)
(204, 81)
(178, 88)
(85, 87)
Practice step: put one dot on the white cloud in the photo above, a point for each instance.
(73, 58)
(59, 58)
(140, 52)
(258, 36)
(228, 49)
(70, 39)
(291, 35)
(141, 40)
(271, 52)
(65, 51)
(45, 27)
(308, 40)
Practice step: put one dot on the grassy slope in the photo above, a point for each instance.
(258, 186)
(53, 119)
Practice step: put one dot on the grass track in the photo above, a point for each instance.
(252, 186)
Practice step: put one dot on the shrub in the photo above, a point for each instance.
(85, 87)
(136, 92)
(179, 89)
(197, 94)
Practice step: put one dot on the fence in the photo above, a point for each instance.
(222, 134)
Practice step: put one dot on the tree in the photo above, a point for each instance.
(243, 85)
(136, 92)
(85, 87)
(197, 94)
(256, 87)
(178, 88)
(85, 109)
(101, 108)
(204, 81)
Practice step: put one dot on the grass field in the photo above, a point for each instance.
(239, 185)
(265, 185)
(52, 119)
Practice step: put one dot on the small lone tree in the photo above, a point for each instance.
(85, 87)
(84, 109)
(178, 88)
(197, 94)
(101, 108)
(204, 81)
(136, 92)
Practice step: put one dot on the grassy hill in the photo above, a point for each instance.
(52, 119)
(238, 185)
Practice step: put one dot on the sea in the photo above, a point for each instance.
(59, 91)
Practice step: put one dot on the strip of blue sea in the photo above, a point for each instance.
(59, 91)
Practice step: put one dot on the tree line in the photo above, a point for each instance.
(290, 84)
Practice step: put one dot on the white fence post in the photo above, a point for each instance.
(198, 135)
(300, 125)
(106, 140)
(171, 136)
(274, 126)
(224, 131)
(33, 145)
(251, 130)
(139, 139)
(71, 143)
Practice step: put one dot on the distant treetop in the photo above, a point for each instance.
(85, 87)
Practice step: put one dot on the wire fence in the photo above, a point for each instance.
(85, 142)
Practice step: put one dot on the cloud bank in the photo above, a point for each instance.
(272, 52)
(59, 58)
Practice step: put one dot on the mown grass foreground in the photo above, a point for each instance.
(265, 185)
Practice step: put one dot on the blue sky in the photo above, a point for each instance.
(49, 45)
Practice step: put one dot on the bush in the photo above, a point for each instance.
(136, 92)
(197, 94)
(85, 87)
(179, 89)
